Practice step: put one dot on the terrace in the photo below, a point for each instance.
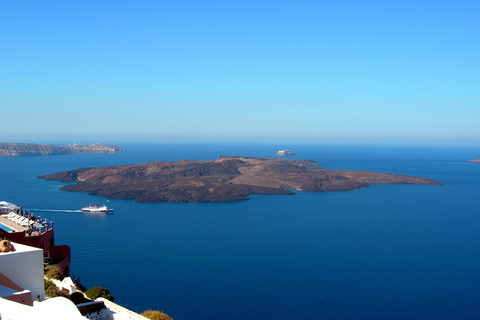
(25, 221)
(22, 226)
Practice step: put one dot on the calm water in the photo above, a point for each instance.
(384, 252)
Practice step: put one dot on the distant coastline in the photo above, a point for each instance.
(475, 161)
(36, 149)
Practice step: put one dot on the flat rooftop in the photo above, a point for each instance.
(19, 248)
(12, 225)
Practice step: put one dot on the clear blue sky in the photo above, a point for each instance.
(265, 71)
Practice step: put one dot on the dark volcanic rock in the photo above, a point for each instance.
(35, 149)
(223, 180)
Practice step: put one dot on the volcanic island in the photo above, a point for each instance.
(226, 179)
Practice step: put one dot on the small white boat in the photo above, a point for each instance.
(96, 209)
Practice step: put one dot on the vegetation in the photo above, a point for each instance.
(155, 315)
(47, 284)
(52, 291)
(53, 272)
(97, 291)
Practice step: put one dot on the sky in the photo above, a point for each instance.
(385, 72)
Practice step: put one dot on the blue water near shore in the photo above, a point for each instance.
(384, 252)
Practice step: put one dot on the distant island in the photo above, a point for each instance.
(226, 179)
(285, 153)
(478, 160)
(35, 149)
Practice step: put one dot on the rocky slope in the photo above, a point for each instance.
(35, 149)
(222, 180)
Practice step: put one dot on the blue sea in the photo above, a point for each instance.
(383, 252)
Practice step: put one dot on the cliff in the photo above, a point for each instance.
(222, 180)
(35, 149)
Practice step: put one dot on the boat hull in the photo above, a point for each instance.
(96, 209)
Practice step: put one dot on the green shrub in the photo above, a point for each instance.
(53, 272)
(97, 291)
(47, 284)
(53, 291)
(155, 315)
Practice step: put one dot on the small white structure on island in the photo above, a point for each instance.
(285, 153)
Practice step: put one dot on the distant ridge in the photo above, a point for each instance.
(35, 149)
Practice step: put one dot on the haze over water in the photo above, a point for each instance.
(384, 252)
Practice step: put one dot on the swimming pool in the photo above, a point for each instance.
(4, 227)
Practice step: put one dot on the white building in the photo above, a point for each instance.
(24, 267)
(21, 282)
